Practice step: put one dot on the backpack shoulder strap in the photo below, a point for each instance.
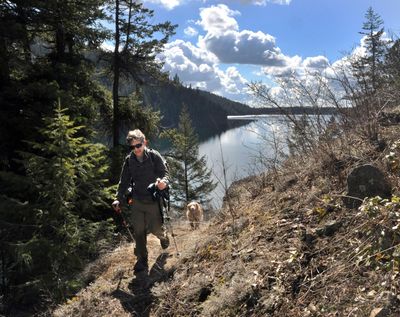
(152, 154)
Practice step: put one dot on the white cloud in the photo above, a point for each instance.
(199, 68)
(287, 67)
(224, 42)
(316, 62)
(245, 47)
(218, 19)
(264, 2)
(230, 45)
(107, 46)
(168, 4)
(189, 31)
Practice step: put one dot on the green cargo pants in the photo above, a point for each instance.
(145, 217)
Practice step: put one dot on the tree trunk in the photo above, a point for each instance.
(186, 179)
(60, 42)
(4, 66)
(115, 127)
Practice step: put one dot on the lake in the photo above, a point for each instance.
(246, 150)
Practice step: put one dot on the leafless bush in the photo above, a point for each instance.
(229, 296)
(272, 150)
(356, 110)
(294, 95)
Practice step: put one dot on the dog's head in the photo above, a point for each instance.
(192, 206)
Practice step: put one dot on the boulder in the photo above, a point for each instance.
(366, 181)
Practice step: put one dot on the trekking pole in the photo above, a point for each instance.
(124, 223)
(167, 218)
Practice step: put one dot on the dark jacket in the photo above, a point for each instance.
(142, 174)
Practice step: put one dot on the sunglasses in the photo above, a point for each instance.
(138, 146)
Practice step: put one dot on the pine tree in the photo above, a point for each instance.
(367, 68)
(136, 42)
(392, 69)
(42, 45)
(368, 71)
(133, 114)
(190, 177)
(49, 234)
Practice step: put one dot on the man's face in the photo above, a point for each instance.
(137, 147)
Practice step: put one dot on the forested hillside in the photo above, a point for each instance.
(208, 111)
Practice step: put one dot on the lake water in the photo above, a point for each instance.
(247, 150)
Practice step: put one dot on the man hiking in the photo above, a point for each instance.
(142, 168)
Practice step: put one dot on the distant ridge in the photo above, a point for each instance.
(256, 113)
(294, 110)
(208, 111)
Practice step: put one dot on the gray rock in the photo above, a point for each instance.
(329, 229)
(366, 181)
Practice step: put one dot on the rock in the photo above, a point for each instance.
(379, 312)
(366, 181)
(238, 225)
(389, 118)
(204, 293)
(329, 229)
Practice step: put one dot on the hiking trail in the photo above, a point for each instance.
(116, 290)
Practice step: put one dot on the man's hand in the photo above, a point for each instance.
(115, 206)
(161, 185)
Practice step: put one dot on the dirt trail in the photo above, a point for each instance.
(116, 291)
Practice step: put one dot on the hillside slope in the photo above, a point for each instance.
(208, 111)
(294, 249)
(287, 247)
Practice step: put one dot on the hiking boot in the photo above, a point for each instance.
(141, 265)
(164, 241)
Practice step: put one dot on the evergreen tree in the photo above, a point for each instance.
(42, 45)
(49, 233)
(392, 69)
(190, 177)
(368, 68)
(136, 42)
(368, 71)
(176, 81)
(133, 115)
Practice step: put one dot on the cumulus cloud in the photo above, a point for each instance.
(288, 66)
(264, 2)
(224, 42)
(168, 4)
(199, 68)
(316, 62)
(230, 45)
(218, 19)
(189, 31)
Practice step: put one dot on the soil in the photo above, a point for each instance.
(117, 291)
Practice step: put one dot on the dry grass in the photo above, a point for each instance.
(292, 250)
(115, 291)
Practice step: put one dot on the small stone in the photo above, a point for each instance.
(379, 312)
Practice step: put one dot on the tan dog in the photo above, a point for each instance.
(194, 214)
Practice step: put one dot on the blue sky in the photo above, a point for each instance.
(220, 46)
